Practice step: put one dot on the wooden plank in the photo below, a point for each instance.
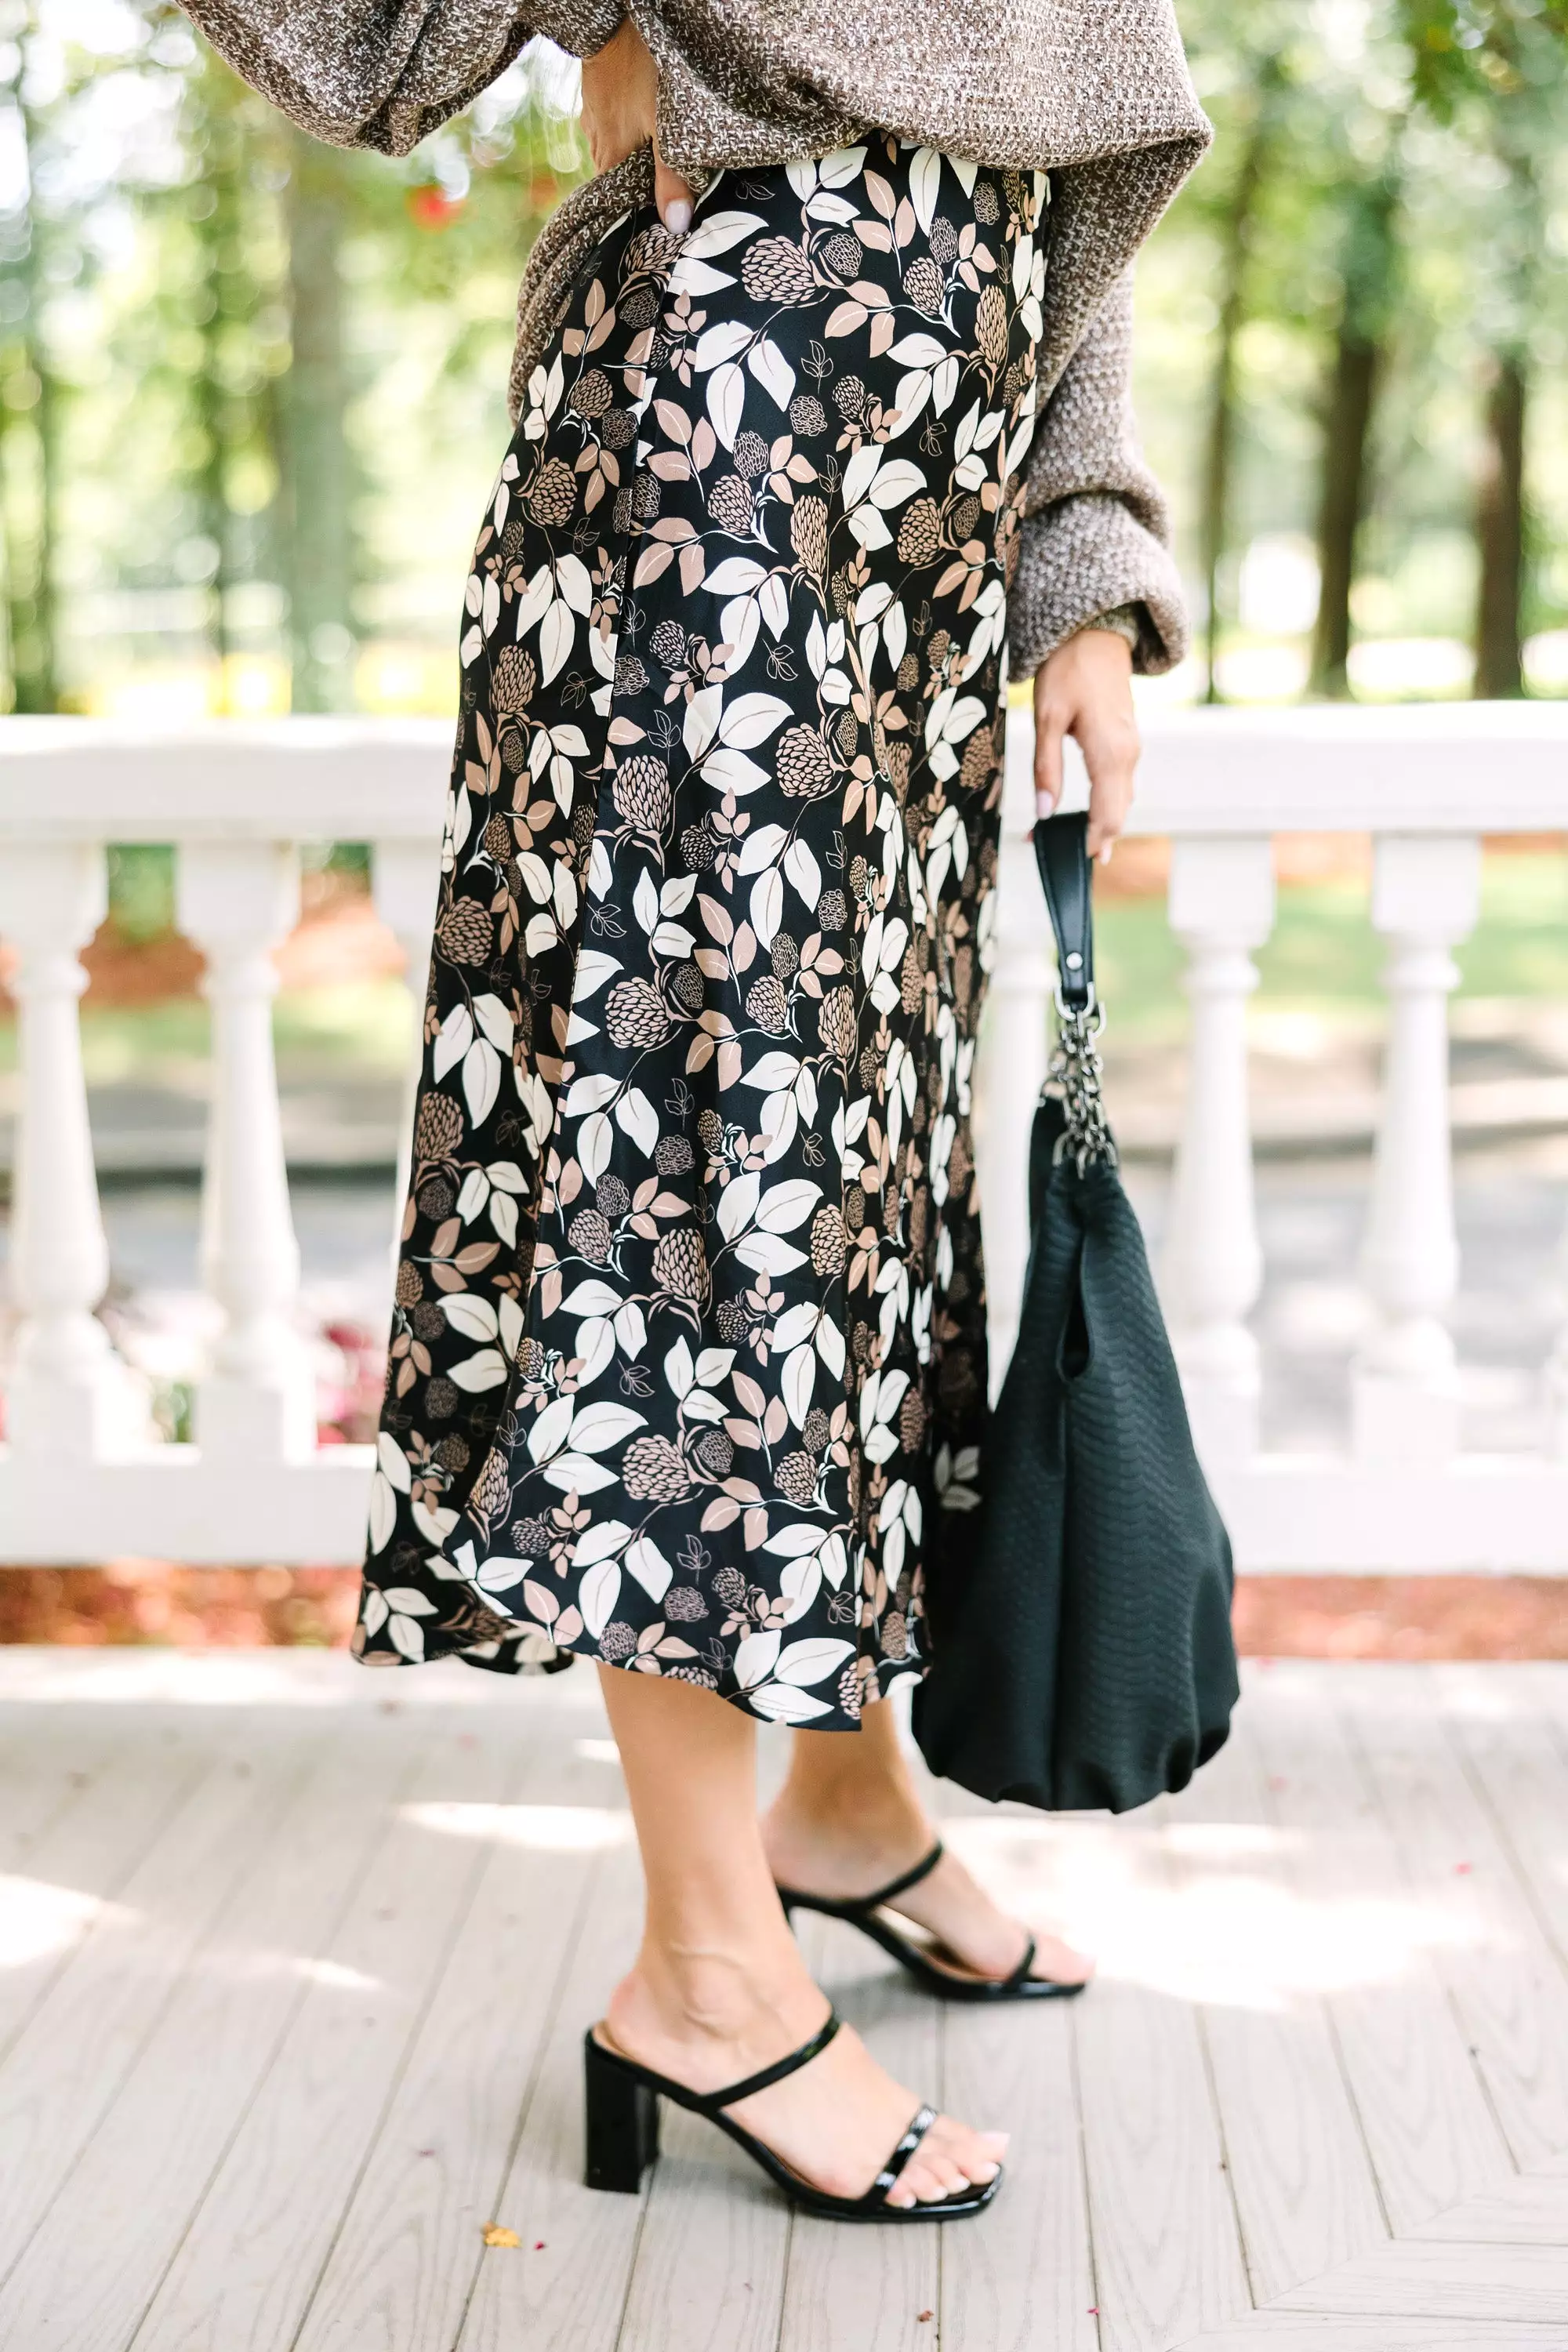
(1295, 2332)
(1516, 1757)
(82, 1864)
(245, 2275)
(1299, 2165)
(44, 1774)
(1167, 2254)
(1441, 2281)
(96, 2262)
(1533, 2209)
(863, 2290)
(1021, 2280)
(403, 2263)
(710, 2270)
(564, 2288)
(1431, 2133)
(1502, 1975)
(66, 2068)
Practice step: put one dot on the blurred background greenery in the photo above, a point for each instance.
(252, 388)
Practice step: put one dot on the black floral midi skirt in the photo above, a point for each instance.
(690, 1338)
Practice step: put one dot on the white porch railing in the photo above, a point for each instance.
(81, 1480)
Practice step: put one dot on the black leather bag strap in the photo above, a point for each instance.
(1061, 852)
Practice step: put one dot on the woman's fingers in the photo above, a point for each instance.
(1109, 748)
(671, 193)
(1050, 726)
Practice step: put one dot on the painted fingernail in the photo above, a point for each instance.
(677, 216)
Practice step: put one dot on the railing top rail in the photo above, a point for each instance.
(1400, 768)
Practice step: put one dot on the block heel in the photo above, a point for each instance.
(623, 2135)
(622, 2123)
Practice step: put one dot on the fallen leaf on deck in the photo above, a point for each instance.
(495, 2236)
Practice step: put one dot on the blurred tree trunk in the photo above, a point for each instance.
(317, 537)
(29, 435)
(1500, 533)
(217, 221)
(1370, 269)
(1236, 250)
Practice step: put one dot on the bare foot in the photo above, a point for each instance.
(846, 1859)
(835, 2122)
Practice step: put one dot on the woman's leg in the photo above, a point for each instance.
(719, 1988)
(849, 1817)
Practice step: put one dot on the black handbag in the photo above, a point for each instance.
(1079, 1615)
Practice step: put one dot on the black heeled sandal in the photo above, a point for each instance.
(948, 1984)
(623, 2135)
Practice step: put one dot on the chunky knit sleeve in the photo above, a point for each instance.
(1096, 532)
(383, 73)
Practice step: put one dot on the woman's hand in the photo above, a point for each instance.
(620, 114)
(1084, 690)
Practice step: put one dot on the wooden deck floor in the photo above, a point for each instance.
(294, 1962)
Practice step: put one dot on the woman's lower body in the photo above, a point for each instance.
(690, 1336)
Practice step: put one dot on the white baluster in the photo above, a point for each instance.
(1221, 908)
(1425, 896)
(404, 877)
(238, 901)
(1010, 1070)
(69, 1394)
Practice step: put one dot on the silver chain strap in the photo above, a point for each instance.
(1075, 1076)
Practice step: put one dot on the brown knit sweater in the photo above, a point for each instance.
(1096, 93)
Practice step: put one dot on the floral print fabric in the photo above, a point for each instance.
(690, 1329)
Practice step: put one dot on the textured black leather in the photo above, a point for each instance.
(1081, 1646)
(1061, 855)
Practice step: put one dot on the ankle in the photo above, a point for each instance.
(713, 1997)
(884, 1821)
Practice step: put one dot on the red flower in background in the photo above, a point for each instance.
(431, 207)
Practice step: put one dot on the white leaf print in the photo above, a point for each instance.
(944, 383)
(473, 594)
(802, 176)
(678, 1369)
(539, 936)
(767, 906)
(798, 1379)
(476, 1192)
(599, 1542)
(891, 1394)
(722, 342)
(506, 1176)
(897, 482)
(837, 171)
(755, 1655)
(677, 894)
(549, 1432)
(495, 1019)
(537, 878)
(773, 371)
(597, 1595)
(750, 720)
(736, 1203)
(736, 576)
(596, 1139)
(917, 351)
(407, 1636)
(830, 1347)
(376, 1610)
(467, 1312)
(913, 392)
(767, 1254)
(894, 1544)
(867, 526)
(895, 938)
(650, 1566)
(860, 472)
(556, 632)
(727, 401)
(780, 1125)
(599, 1426)
(631, 1330)
(488, 1369)
(1023, 262)
(717, 232)
(780, 1704)
(699, 1406)
(787, 1205)
(762, 848)
(714, 1365)
(597, 1346)
(774, 605)
(571, 740)
(491, 612)
(816, 646)
(413, 1604)
(731, 772)
(925, 174)
(636, 1116)
(701, 720)
(883, 1445)
(590, 1093)
(510, 1315)
(795, 1324)
(895, 634)
(453, 1039)
(799, 1584)
(590, 1298)
(790, 1543)
(739, 625)
(693, 276)
(383, 1518)
(578, 1473)
(535, 600)
(773, 1071)
(835, 1561)
(803, 872)
(394, 1463)
(812, 1661)
(645, 901)
(481, 1079)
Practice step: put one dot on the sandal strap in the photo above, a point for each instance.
(920, 2124)
(779, 2069)
(905, 1880)
(1021, 1971)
